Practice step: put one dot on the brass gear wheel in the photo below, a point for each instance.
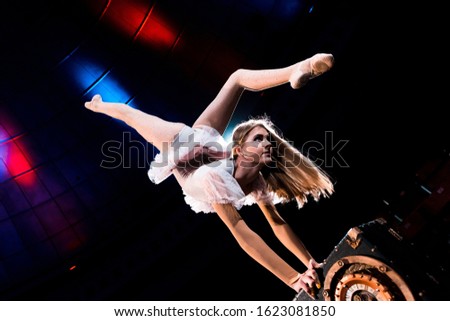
(362, 278)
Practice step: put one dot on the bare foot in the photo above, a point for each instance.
(310, 68)
(94, 104)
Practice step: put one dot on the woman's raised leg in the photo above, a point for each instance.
(218, 113)
(152, 128)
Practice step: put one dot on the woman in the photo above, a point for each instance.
(260, 167)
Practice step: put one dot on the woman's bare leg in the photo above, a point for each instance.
(219, 111)
(154, 129)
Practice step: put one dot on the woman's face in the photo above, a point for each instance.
(257, 148)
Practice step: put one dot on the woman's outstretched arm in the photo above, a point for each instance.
(287, 236)
(254, 246)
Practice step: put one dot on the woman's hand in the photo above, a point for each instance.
(309, 281)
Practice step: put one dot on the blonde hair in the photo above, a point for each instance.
(292, 175)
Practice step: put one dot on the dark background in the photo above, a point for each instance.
(71, 229)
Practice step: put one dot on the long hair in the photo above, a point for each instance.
(292, 176)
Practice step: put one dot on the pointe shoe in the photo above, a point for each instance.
(93, 104)
(311, 68)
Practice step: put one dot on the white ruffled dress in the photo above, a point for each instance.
(208, 183)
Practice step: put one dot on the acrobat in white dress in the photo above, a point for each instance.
(205, 183)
